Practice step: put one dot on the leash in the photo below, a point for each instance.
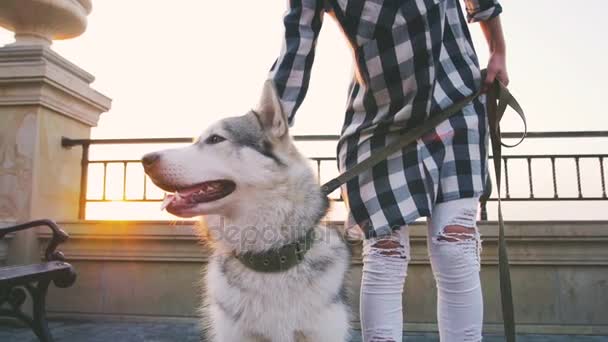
(498, 98)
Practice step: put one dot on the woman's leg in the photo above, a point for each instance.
(385, 263)
(454, 246)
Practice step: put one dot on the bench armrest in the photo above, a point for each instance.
(59, 236)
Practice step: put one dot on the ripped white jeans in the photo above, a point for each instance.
(455, 263)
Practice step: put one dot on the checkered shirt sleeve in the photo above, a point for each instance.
(291, 71)
(482, 10)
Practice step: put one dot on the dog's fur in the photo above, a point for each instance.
(275, 200)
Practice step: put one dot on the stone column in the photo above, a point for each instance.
(42, 98)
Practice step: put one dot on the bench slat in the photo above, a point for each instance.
(22, 274)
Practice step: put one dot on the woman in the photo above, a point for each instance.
(413, 58)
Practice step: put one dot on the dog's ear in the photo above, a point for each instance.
(271, 112)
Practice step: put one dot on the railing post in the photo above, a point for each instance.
(84, 176)
(483, 200)
(484, 211)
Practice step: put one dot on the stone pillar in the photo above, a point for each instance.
(43, 97)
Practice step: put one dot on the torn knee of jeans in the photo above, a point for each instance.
(389, 246)
(460, 227)
(466, 239)
(455, 233)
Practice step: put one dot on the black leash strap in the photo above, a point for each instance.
(498, 99)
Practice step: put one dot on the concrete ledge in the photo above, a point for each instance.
(530, 243)
(131, 241)
(559, 272)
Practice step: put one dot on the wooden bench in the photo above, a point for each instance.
(16, 282)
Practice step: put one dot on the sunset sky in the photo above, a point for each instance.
(172, 68)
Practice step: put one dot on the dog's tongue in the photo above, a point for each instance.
(184, 196)
(166, 201)
(176, 197)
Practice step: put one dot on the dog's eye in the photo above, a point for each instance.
(214, 139)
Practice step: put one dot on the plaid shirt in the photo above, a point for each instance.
(413, 58)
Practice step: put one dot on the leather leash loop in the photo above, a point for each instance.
(505, 98)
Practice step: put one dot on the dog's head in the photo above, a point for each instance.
(246, 156)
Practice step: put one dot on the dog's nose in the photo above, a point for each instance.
(149, 159)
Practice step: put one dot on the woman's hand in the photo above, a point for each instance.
(497, 69)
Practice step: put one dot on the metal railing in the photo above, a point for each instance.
(528, 159)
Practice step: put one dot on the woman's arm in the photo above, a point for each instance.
(487, 13)
(291, 71)
(497, 65)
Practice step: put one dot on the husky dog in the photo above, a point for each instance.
(247, 172)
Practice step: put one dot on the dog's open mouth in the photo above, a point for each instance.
(201, 193)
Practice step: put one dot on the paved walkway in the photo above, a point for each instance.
(188, 332)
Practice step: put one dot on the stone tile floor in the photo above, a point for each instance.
(87, 331)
